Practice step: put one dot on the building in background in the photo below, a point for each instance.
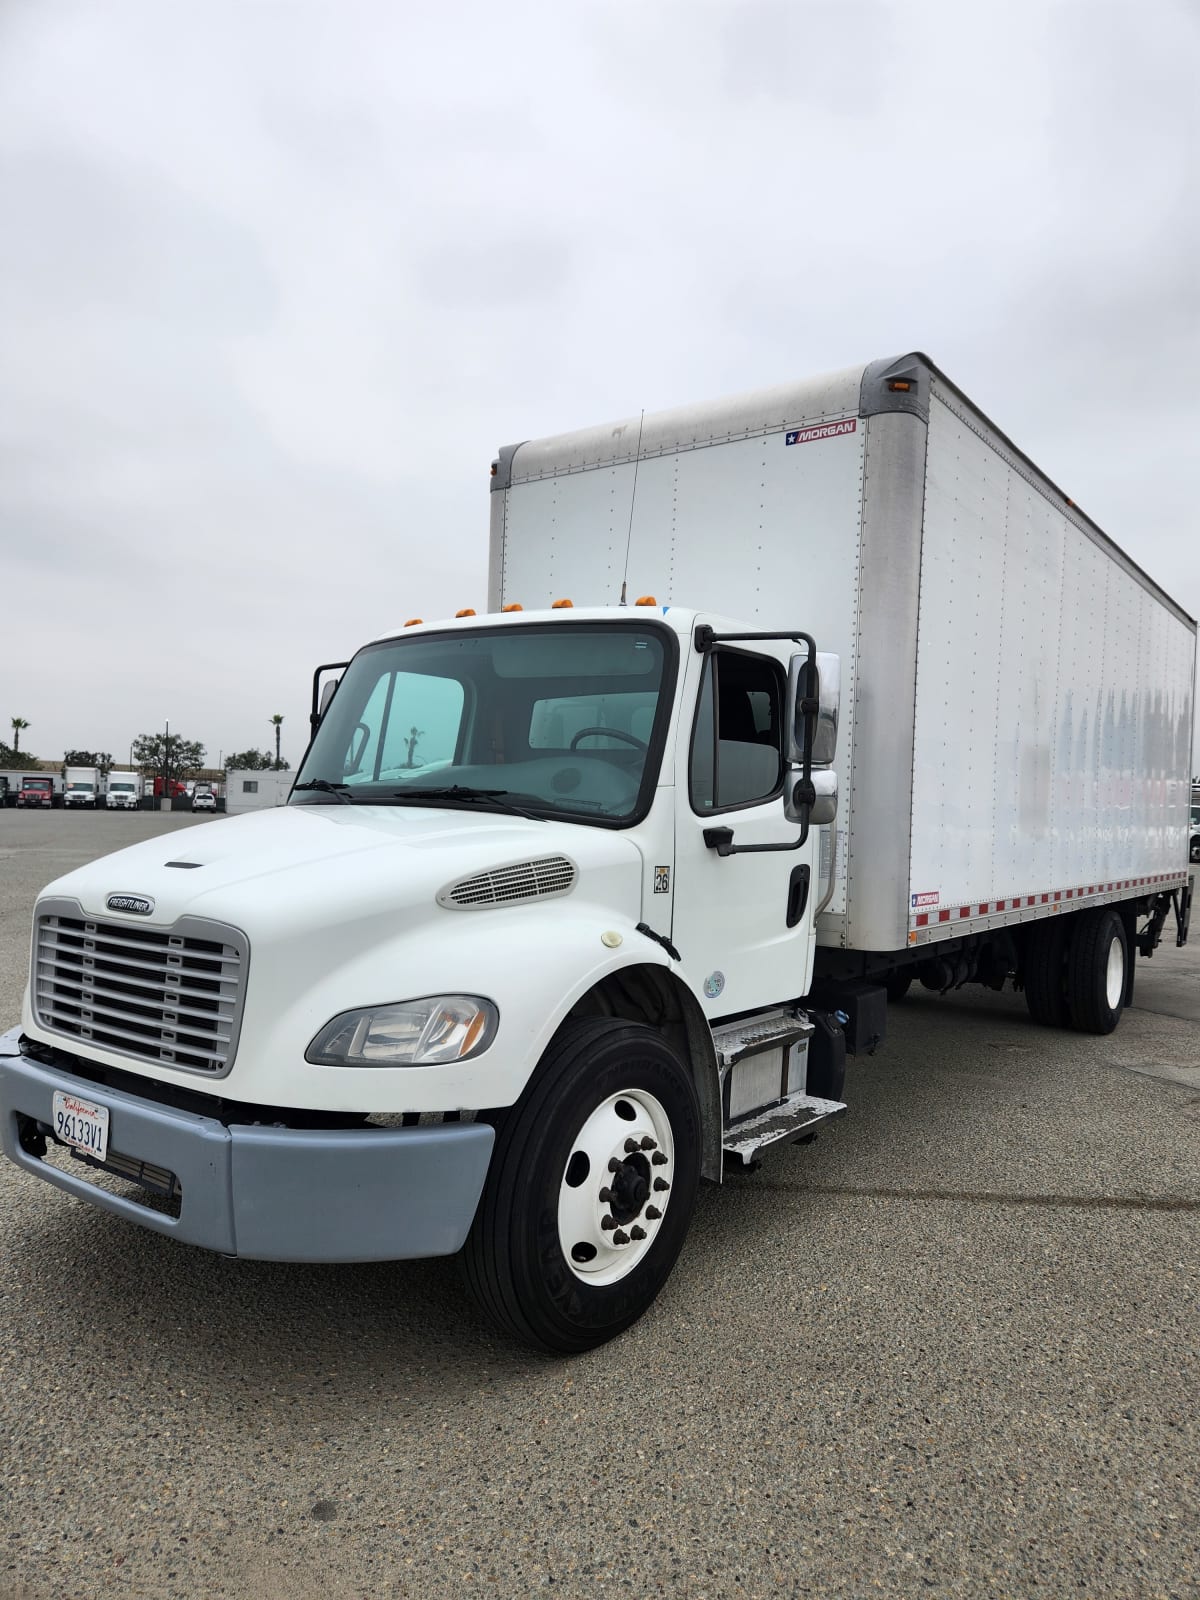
(253, 791)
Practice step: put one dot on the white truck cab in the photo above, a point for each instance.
(476, 889)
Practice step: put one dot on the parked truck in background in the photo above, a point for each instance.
(575, 905)
(124, 789)
(40, 790)
(83, 786)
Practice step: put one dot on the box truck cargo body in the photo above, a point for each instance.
(1017, 695)
(574, 905)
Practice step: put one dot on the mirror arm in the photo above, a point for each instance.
(721, 840)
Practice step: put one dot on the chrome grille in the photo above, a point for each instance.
(527, 880)
(173, 997)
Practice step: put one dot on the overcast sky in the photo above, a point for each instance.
(276, 280)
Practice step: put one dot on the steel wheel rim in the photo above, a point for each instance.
(599, 1237)
(1114, 977)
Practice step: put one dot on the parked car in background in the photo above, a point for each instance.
(203, 800)
(1194, 846)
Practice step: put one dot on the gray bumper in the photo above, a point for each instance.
(274, 1194)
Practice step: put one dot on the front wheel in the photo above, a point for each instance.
(591, 1189)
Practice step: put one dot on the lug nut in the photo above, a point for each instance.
(653, 1213)
(620, 1237)
(649, 1144)
(614, 1165)
(608, 1223)
(631, 1145)
(658, 1159)
(605, 1195)
(661, 1185)
(637, 1233)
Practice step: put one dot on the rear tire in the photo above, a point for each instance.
(1045, 972)
(1097, 971)
(538, 1260)
(897, 985)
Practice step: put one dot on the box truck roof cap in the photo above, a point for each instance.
(807, 408)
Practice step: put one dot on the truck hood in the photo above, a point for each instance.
(328, 865)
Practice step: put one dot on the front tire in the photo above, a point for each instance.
(610, 1112)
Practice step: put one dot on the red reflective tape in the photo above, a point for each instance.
(964, 911)
(1057, 894)
(923, 920)
(983, 911)
(1000, 904)
(943, 916)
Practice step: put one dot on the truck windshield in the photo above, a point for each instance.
(562, 719)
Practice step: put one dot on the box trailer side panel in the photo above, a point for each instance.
(1053, 702)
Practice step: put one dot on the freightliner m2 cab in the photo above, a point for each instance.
(520, 961)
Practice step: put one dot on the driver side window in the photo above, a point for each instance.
(737, 744)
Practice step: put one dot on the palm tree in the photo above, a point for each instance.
(277, 722)
(17, 724)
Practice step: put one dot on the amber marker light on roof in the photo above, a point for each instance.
(563, 605)
(899, 386)
(516, 606)
(645, 600)
(467, 611)
(414, 622)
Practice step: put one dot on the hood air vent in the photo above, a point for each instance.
(527, 880)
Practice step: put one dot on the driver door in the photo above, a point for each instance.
(741, 922)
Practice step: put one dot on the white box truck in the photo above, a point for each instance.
(124, 790)
(574, 905)
(83, 786)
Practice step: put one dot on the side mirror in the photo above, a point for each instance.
(818, 682)
(328, 690)
(813, 804)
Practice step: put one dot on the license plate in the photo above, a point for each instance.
(82, 1123)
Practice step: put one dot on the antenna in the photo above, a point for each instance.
(632, 502)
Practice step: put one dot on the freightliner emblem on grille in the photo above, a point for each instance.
(139, 904)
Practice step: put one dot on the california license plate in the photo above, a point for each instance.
(82, 1123)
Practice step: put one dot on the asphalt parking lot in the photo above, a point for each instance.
(953, 1348)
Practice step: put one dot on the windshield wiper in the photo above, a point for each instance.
(494, 798)
(337, 790)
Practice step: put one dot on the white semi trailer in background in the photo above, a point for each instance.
(576, 904)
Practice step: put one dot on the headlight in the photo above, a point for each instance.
(407, 1033)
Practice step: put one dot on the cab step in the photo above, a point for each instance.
(751, 1036)
(790, 1118)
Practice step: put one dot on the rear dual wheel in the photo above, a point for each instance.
(1077, 971)
(591, 1189)
(1097, 971)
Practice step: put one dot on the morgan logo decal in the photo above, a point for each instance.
(138, 904)
(822, 430)
(662, 880)
(929, 899)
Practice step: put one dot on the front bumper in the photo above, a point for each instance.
(269, 1193)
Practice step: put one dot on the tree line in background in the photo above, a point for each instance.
(152, 752)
